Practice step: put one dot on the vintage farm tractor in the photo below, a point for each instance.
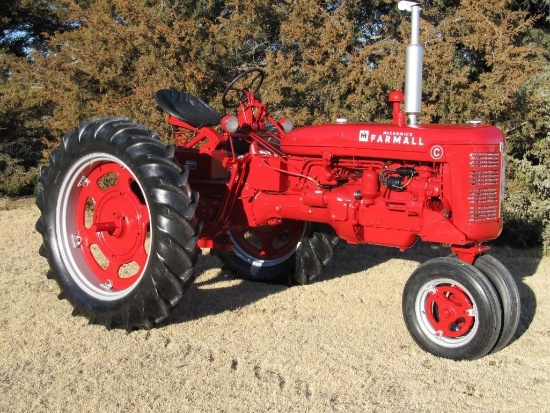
(124, 215)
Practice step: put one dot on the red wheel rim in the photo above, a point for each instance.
(269, 243)
(103, 226)
(119, 227)
(446, 312)
(450, 311)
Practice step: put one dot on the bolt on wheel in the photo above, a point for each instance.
(293, 252)
(452, 310)
(446, 312)
(264, 253)
(118, 223)
(268, 245)
(103, 226)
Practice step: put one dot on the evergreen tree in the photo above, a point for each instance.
(65, 61)
(24, 28)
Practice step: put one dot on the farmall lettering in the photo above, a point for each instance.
(391, 138)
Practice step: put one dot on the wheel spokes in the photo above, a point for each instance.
(270, 242)
(112, 225)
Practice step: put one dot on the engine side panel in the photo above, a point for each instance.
(394, 199)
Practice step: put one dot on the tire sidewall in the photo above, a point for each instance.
(249, 267)
(508, 293)
(311, 254)
(257, 272)
(479, 290)
(52, 195)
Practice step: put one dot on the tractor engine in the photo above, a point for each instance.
(384, 184)
(387, 184)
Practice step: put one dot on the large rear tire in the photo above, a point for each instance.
(293, 252)
(452, 309)
(118, 224)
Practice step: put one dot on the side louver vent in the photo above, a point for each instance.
(484, 194)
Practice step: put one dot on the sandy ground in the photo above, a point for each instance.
(338, 345)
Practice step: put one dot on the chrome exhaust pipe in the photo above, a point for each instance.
(413, 68)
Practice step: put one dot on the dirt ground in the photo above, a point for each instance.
(338, 345)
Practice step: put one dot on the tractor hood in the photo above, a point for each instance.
(368, 140)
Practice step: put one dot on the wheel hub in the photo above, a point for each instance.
(449, 311)
(119, 225)
(105, 223)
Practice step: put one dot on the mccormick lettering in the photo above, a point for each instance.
(391, 138)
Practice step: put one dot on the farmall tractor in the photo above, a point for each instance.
(124, 216)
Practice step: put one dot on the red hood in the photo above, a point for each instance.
(368, 139)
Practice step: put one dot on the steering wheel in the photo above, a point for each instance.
(249, 80)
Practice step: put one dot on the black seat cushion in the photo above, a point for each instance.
(187, 107)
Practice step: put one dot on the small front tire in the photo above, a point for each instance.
(509, 296)
(452, 310)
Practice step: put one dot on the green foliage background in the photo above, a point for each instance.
(64, 61)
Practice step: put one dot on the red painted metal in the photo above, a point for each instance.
(208, 137)
(113, 224)
(397, 98)
(449, 311)
(386, 184)
(469, 253)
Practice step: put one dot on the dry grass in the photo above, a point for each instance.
(338, 345)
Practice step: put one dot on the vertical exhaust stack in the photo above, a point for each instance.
(413, 70)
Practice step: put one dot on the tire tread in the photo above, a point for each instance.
(170, 267)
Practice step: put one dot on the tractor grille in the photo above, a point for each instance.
(483, 196)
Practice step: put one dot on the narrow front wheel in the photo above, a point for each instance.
(508, 293)
(452, 309)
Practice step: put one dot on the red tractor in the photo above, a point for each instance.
(123, 223)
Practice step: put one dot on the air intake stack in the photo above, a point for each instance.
(413, 70)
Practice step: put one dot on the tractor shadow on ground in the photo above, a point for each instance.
(213, 295)
(222, 292)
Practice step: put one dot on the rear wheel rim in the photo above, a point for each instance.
(268, 245)
(446, 312)
(103, 226)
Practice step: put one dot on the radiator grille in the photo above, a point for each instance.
(483, 196)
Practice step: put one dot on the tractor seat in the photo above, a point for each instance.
(187, 108)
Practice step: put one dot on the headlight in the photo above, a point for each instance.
(230, 123)
(286, 124)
